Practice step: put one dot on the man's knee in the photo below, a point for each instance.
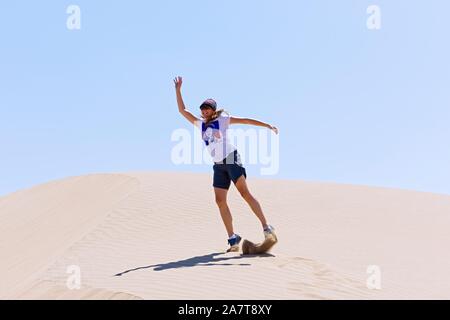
(221, 202)
(246, 195)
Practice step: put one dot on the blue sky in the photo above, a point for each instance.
(353, 105)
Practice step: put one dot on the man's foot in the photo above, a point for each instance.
(234, 242)
(269, 231)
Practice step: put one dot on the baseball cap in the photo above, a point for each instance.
(209, 103)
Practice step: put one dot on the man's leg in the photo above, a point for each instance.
(241, 185)
(221, 200)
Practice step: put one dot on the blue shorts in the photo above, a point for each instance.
(229, 169)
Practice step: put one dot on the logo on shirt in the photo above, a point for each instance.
(211, 132)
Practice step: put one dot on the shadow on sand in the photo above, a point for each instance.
(205, 260)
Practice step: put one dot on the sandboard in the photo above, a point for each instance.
(249, 247)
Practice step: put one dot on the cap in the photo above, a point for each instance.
(209, 103)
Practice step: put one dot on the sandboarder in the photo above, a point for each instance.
(227, 163)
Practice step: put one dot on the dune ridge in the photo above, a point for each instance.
(158, 235)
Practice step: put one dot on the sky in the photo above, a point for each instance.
(353, 105)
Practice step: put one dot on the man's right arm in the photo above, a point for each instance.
(181, 107)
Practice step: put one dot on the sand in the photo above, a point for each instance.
(158, 235)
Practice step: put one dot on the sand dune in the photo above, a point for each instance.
(48, 290)
(158, 235)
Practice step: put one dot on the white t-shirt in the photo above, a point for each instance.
(215, 137)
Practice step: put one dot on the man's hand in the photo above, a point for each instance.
(178, 81)
(274, 129)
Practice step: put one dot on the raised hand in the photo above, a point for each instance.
(178, 81)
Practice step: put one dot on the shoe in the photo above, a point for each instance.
(234, 244)
(270, 232)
